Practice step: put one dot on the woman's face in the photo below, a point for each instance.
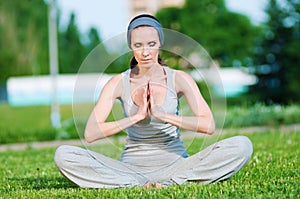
(145, 45)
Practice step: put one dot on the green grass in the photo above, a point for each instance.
(26, 124)
(273, 172)
(29, 124)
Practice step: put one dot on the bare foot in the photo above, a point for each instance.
(158, 185)
(148, 185)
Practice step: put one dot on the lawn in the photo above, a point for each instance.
(273, 172)
(31, 124)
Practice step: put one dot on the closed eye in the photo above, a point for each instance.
(152, 43)
(137, 45)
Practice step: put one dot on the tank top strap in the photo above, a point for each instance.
(170, 73)
(126, 85)
(170, 79)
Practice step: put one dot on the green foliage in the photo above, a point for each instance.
(169, 18)
(73, 49)
(228, 37)
(261, 115)
(24, 40)
(94, 39)
(271, 50)
(204, 89)
(23, 50)
(277, 54)
(70, 45)
(120, 64)
(272, 172)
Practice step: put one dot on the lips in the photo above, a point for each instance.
(145, 60)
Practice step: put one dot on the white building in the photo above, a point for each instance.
(151, 6)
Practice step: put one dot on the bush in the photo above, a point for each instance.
(261, 115)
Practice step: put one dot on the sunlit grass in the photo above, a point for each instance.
(273, 172)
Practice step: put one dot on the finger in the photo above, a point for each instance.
(151, 99)
(148, 88)
(145, 95)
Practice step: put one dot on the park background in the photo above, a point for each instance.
(268, 51)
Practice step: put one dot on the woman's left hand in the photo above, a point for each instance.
(154, 108)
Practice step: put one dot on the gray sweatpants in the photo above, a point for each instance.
(217, 162)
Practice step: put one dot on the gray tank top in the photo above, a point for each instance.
(152, 131)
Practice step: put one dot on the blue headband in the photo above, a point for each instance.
(145, 21)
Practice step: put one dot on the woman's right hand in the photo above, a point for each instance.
(141, 99)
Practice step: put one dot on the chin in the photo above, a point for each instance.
(147, 65)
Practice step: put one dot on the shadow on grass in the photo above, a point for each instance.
(41, 183)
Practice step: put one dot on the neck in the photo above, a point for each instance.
(146, 71)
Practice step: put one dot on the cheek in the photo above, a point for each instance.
(155, 52)
(136, 54)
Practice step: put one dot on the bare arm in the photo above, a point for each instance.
(202, 120)
(97, 127)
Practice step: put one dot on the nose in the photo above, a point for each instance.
(145, 52)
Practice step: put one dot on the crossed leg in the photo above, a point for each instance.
(92, 170)
(215, 163)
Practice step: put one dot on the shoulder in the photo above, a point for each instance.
(183, 81)
(114, 86)
(182, 77)
(115, 79)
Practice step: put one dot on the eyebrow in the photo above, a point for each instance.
(154, 41)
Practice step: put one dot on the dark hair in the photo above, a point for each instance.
(144, 15)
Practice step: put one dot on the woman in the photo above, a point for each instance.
(153, 155)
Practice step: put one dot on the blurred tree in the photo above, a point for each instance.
(120, 63)
(169, 17)
(24, 40)
(23, 30)
(93, 39)
(277, 55)
(97, 56)
(71, 49)
(228, 37)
